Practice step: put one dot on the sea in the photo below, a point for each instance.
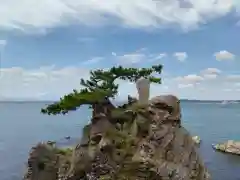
(23, 126)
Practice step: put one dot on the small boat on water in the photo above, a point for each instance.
(226, 102)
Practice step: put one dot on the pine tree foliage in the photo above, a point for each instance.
(100, 86)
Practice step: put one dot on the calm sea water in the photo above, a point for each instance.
(22, 126)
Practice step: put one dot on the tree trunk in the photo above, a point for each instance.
(104, 107)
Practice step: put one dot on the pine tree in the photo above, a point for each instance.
(100, 86)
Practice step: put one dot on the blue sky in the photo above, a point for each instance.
(47, 46)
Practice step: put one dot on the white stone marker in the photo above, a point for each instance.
(143, 88)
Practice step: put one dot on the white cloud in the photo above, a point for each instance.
(211, 71)
(185, 86)
(181, 56)
(40, 15)
(155, 57)
(142, 49)
(193, 79)
(17, 82)
(211, 83)
(93, 60)
(189, 79)
(138, 57)
(224, 55)
(160, 56)
(131, 58)
(50, 82)
(209, 76)
(235, 77)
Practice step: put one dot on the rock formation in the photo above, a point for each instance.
(230, 146)
(132, 142)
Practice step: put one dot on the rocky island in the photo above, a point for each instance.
(229, 146)
(140, 140)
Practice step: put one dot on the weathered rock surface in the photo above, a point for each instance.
(229, 147)
(131, 142)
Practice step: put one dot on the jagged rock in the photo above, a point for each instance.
(42, 163)
(230, 146)
(85, 135)
(100, 124)
(171, 104)
(151, 144)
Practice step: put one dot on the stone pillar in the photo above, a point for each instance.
(143, 88)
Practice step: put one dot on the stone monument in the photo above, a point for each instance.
(143, 88)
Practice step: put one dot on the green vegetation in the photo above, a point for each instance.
(64, 151)
(100, 87)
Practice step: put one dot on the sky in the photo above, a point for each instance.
(47, 46)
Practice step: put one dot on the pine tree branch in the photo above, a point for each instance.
(100, 86)
(73, 101)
